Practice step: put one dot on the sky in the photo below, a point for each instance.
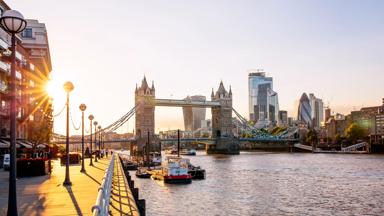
(332, 48)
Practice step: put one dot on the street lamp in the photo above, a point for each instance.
(90, 117)
(82, 107)
(95, 123)
(99, 127)
(68, 87)
(12, 22)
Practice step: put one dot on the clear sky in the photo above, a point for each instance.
(332, 48)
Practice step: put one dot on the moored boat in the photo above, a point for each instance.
(171, 151)
(142, 173)
(173, 170)
(196, 172)
(189, 152)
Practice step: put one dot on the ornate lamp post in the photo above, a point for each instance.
(99, 127)
(95, 123)
(12, 22)
(82, 107)
(90, 117)
(68, 87)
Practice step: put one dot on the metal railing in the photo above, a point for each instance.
(101, 206)
(354, 147)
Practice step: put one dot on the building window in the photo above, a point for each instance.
(27, 33)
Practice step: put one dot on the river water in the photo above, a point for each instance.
(273, 184)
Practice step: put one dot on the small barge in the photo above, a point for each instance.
(174, 170)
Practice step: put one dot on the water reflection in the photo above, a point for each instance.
(274, 184)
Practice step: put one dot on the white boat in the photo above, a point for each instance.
(188, 152)
(155, 158)
(173, 170)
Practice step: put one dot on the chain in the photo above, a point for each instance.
(54, 116)
(73, 124)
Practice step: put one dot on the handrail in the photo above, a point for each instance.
(101, 206)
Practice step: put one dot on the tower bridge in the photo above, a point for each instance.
(221, 108)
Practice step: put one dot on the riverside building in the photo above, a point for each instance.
(33, 68)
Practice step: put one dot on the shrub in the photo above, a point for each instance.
(74, 158)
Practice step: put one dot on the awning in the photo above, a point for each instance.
(6, 144)
(3, 144)
(24, 144)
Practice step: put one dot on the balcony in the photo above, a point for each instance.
(3, 87)
(5, 67)
(4, 111)
(3, 45)
(19, 57)
(31, 67)
(18, 75)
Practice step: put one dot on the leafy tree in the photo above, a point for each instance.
(39, 133)
(355, 132)
(311, 137)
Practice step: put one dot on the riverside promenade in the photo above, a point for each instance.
(46, 195)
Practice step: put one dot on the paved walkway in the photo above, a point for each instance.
(46, 195)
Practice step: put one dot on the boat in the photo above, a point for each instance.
(143, 173)
(171, 151)
(155, 158)
(174, 170)
(128, 163)
(189, 152)
(196, 172)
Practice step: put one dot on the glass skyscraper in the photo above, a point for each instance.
(263, 101)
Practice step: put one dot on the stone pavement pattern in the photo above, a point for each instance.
(46, 195)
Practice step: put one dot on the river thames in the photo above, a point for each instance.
(259, 183)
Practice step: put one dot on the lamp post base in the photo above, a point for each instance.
(83, 171)
(67, 183)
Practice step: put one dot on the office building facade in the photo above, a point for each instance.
(263, 101)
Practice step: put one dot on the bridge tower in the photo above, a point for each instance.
(222, 124)
(145, 116)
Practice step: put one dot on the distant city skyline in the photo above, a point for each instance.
(333, 49)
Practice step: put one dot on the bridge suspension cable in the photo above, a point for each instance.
(117, 124)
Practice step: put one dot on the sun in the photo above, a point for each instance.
(54, 88)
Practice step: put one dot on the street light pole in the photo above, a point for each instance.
(99, 127)
(95, 123)
(68, 87)
(83, 107)
(12, 22)
(90, 117)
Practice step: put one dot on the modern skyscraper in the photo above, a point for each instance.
(311, 110)
(193, 115)
(283, 118)
(305, 110)
(263, 101)
(317, 113)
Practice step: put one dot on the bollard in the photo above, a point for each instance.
(141, 206)
(135, 193)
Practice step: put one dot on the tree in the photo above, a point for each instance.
(355, 132)
(39, 133)
(311, 137)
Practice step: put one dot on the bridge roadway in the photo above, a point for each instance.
(185, 103)
(202, 140)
